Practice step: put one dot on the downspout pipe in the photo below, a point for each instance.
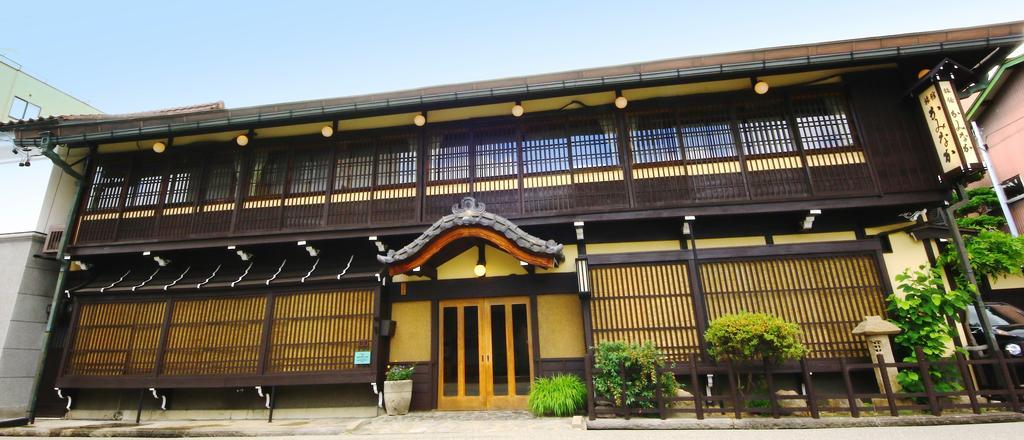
(65, 265)
(996, 185)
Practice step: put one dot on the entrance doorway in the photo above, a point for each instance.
(485, 356)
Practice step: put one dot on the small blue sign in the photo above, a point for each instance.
(361, 358)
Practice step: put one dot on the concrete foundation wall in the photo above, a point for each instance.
(297, 402)
(26, 287)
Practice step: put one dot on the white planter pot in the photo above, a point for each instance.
(397, 395)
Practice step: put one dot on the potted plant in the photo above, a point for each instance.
(398, 389)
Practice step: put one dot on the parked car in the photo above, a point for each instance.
(1007, 323)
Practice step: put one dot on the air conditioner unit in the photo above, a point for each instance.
(53, 239)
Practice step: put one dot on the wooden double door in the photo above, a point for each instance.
(486, 361)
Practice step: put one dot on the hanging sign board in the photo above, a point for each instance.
(950, 134)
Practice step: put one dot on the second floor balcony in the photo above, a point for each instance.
(845, 140)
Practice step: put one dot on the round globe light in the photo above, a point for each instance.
(419, 120)
(517, 110)
(761, 87)
(327, 131)
(621, 102)
(242, 140)
(922, 73)
(480, 270)
(159, 147)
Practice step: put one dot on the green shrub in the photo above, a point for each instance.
(754, 336)
(559, 395)
(921, 315)
(641, 362)
(399, 372)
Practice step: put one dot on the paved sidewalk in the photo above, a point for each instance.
(483, 423)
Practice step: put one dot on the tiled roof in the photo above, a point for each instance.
(188, 109)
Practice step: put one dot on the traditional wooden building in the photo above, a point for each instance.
(234, 262)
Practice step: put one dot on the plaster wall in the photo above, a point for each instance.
(411, 341)
(26, 286)
(560, 326)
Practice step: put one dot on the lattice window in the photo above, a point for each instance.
(221, 177)
(653, 137)
(396, 162)
(545, 149)
(822, 121)
(215, 336)
(764, 128)
(320, 331)
(266, 173)
(593, 143)
(449, 156)
(144, 189)
(645, 303)
(827, 296)
(496, 154)
(115, 339)
(707, 133)
(309, 172)
(107, 186)
(182, 183)
(353, 166)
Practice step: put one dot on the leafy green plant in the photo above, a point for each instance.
(992, 253)
(399, 372)
(981, 199)
(983, 222)
(641, 363)
(754, 336)
(921, 313)
(559, 395)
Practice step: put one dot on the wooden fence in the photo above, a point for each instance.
(993, 383)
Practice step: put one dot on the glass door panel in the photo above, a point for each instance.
(461, 382)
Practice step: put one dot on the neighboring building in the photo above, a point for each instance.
(34, 199)
(999, 112)
(490, 232)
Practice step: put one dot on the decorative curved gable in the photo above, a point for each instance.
(470, 219)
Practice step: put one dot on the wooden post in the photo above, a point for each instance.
(770, 382)
(854, 411)
(965, 374)
(812, 400)
(698, 400)
(737, 402)
(1007, 380)
(138, 407)
(589, 372)
(886, 386)
(273, 401)
(923, 368)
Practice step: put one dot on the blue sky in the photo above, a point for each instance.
(134, 56)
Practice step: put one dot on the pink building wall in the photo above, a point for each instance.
(1002, 125)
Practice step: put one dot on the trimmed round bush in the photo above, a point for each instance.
(754, 336)
(559, 395)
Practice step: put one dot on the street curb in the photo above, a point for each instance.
(804, 422)
(130, 430)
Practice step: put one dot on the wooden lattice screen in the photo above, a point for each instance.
(310, 332)
(826, 295)
(320, 331)
(116, 339)
(645, 303)
(215, 336)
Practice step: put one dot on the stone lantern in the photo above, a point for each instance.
(876, 331)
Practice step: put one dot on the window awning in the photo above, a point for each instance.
(217, 270)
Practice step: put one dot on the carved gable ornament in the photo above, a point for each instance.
(470, 219)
